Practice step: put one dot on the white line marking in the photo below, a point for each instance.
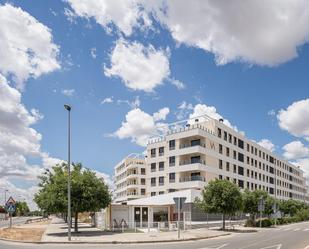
(214, 247)
(307, 229)
(274, 246)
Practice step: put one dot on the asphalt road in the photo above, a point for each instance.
(16, 221)
(295, 236)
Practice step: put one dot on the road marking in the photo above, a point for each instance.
(307, 229)
(274, 246)
(214, 247)
(297, 229)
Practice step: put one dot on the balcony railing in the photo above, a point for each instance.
(182, 146)
(192, 179)
(186, 162)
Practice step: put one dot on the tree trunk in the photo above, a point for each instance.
(223, 221)
(76, 222)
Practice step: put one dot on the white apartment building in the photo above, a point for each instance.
(205, 149)
(130, 178)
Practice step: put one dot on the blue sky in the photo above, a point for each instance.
(251, 81)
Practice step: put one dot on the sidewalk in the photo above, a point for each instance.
(56, 232)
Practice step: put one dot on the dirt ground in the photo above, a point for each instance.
(24, 234)
(27, 232)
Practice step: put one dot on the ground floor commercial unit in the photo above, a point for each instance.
(155, 211)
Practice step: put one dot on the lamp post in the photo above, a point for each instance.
(68, 108)
(5, 190)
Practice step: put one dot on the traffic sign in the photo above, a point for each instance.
(179, 201)
(10, 205)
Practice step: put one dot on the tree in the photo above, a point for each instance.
(221, 196)
(88, 192)
(21, 208)
(251, 201)
(291, 206)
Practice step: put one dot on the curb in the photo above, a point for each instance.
(113, 242)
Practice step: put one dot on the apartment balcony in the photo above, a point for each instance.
(196, 182)
(183, 146)
(132, 175)
(192, 178)
(189, 162)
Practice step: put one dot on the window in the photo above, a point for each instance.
(240, 143)
(227, 166)
(172, 144)
(240, 157)
(153, 181)
(143, 171)
(248, 147)
(161, 180)
(153, 167)
(143, 191)
(225, 136)
(241, 183)
(240, 170)
(220, 148)
(196, 159)
(161, 151)
(234, 169)
(161, 166)
(220, 177)
(230, 138)
(196, 142)
(153, 193)
(219, 133)
(271, 170)
(220, 164)
(143, 181)
(161, 192)
(172, 177)
(235, 141)
(153, 152)
(227, 151)
(234, 154)
(172, 161)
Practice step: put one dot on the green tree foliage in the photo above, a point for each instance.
(290, 207)
(21, 208)
(251, 201)
(221, 196)
(88, 192)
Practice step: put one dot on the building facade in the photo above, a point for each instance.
(130, 179)
(205, 149)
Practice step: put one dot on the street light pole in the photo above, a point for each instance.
(5, 190)
(68, 108)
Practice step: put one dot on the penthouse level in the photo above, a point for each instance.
(205, 149)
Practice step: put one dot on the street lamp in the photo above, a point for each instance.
(5, 190)
(68, 108)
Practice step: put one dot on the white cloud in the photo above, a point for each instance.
(27, 48)
(295, 150)
(107, 100)
(179, 85)
(222, 28)
(68, 92)
(271, 113)
(226, 28)
(123, 14)
(267, 144)
(184, 109)
(211, 111)
(93, 52)
(295, 119)
(161, 114)
(140, 126)
(135, 103)
(139, 67)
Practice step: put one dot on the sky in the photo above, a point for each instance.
(128, 66)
